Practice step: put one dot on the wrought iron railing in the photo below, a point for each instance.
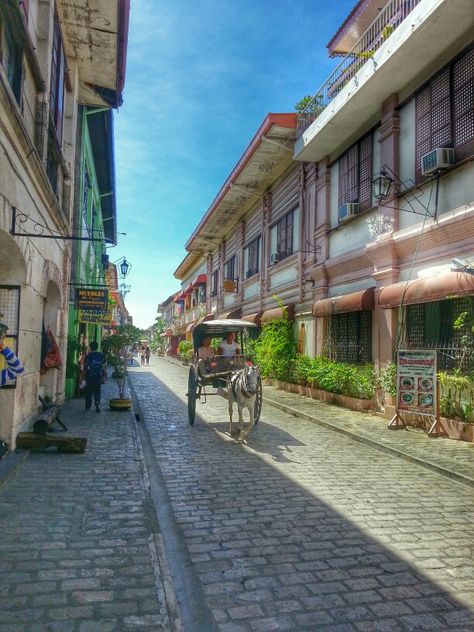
(389, 19)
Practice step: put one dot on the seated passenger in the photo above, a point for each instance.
(205, 351)
(228, 348)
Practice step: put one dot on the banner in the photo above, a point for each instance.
(416, 382)
(91, 299)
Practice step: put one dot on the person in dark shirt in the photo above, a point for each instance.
(94, 368)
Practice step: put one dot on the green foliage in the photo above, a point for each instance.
(387, 379)
(335, 377)
(457, 396)
(275, 349)
(310, 105)
(115, 347)
(185, 350)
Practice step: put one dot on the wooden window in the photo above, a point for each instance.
(58, 73)
(350, 337)
(253, 258)
(355, 174)
(229, 269)
(11, 57)
(214, 282)
(284, 235)
(445, 111)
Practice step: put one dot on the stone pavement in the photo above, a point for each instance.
(305, 528)
(454, 459)
(79, 541)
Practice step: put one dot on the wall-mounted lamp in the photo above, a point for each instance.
(461, 267)
(386, 183)
(124, 267)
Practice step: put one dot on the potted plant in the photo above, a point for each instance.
(117, 347)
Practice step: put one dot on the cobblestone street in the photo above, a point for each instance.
(305, 529)
(165, 527)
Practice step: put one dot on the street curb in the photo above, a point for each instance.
(373, 444)
(10, 463)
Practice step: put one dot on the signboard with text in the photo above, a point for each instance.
(95, 317)
(91, 299)
(416, 382)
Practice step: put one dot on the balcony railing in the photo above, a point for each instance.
(387, 21)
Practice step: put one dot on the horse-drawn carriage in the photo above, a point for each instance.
(233, 377)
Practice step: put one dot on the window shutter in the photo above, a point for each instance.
(463, 100)
(423, 126)
(441, 110)
(343, 167)
(365, 172)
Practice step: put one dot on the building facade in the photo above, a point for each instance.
(305, 216)
(51, 60)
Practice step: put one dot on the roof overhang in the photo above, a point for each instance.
(427, 289)
(354, 26)
(353, 302)
(267, 156)
(190, 261)
(101, 132)
(97, 36)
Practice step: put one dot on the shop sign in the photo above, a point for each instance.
(416, 382)
(91, 299)
(229, 285)
(95, 317)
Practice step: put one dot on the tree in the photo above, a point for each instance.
(116, 346)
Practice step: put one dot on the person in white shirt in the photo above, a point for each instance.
(228, 348)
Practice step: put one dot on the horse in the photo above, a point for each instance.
(242, 389)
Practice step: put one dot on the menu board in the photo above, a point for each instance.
(416, 382)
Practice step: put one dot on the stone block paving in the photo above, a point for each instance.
(453, 458)
(306, 529)
(77, 535)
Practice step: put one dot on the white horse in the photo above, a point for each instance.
(242, 389)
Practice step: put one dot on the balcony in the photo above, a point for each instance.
(407, 38)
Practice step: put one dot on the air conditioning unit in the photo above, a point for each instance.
(347, 211)
(439, 158)
(274, 258)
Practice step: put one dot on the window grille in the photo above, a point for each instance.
(355, 174)
(253, 258)
(10, 316)
(350, 337)
(445, 110)
(284, 230)
(430, 326)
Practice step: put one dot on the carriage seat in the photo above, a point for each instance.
(220, 364)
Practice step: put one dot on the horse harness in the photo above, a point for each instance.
(241, 377)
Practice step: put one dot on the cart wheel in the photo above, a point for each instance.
(192, 395)
(258, 400)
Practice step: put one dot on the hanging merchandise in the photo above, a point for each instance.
(11, 364)
(50, 354)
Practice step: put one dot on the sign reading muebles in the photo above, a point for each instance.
(90, 299)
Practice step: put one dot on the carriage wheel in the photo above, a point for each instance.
(258, 400)
(192, 395)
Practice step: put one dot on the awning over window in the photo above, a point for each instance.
(201, 279)
(204, 319)
(428, 289)
(277, 313)
(179, 297)
(190, 327)
(235, 313)
(253, 318)
(353, 302)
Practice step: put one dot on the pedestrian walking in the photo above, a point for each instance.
(142, 356)
(147, 355)
(94, 373)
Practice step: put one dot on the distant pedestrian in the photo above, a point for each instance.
(94, 371)
(142, 356)
(147, 355)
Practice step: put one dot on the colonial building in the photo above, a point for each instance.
(54, 55)
(391, 134)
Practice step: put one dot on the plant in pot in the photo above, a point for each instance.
(117, 347)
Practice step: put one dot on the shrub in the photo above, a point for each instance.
(185, 350)
(275, 349)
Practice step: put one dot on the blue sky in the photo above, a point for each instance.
(201, 77)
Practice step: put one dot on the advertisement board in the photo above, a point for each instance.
(416, 382)
(91, 299)
(95, 317)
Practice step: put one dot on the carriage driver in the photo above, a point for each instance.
(228, 348)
